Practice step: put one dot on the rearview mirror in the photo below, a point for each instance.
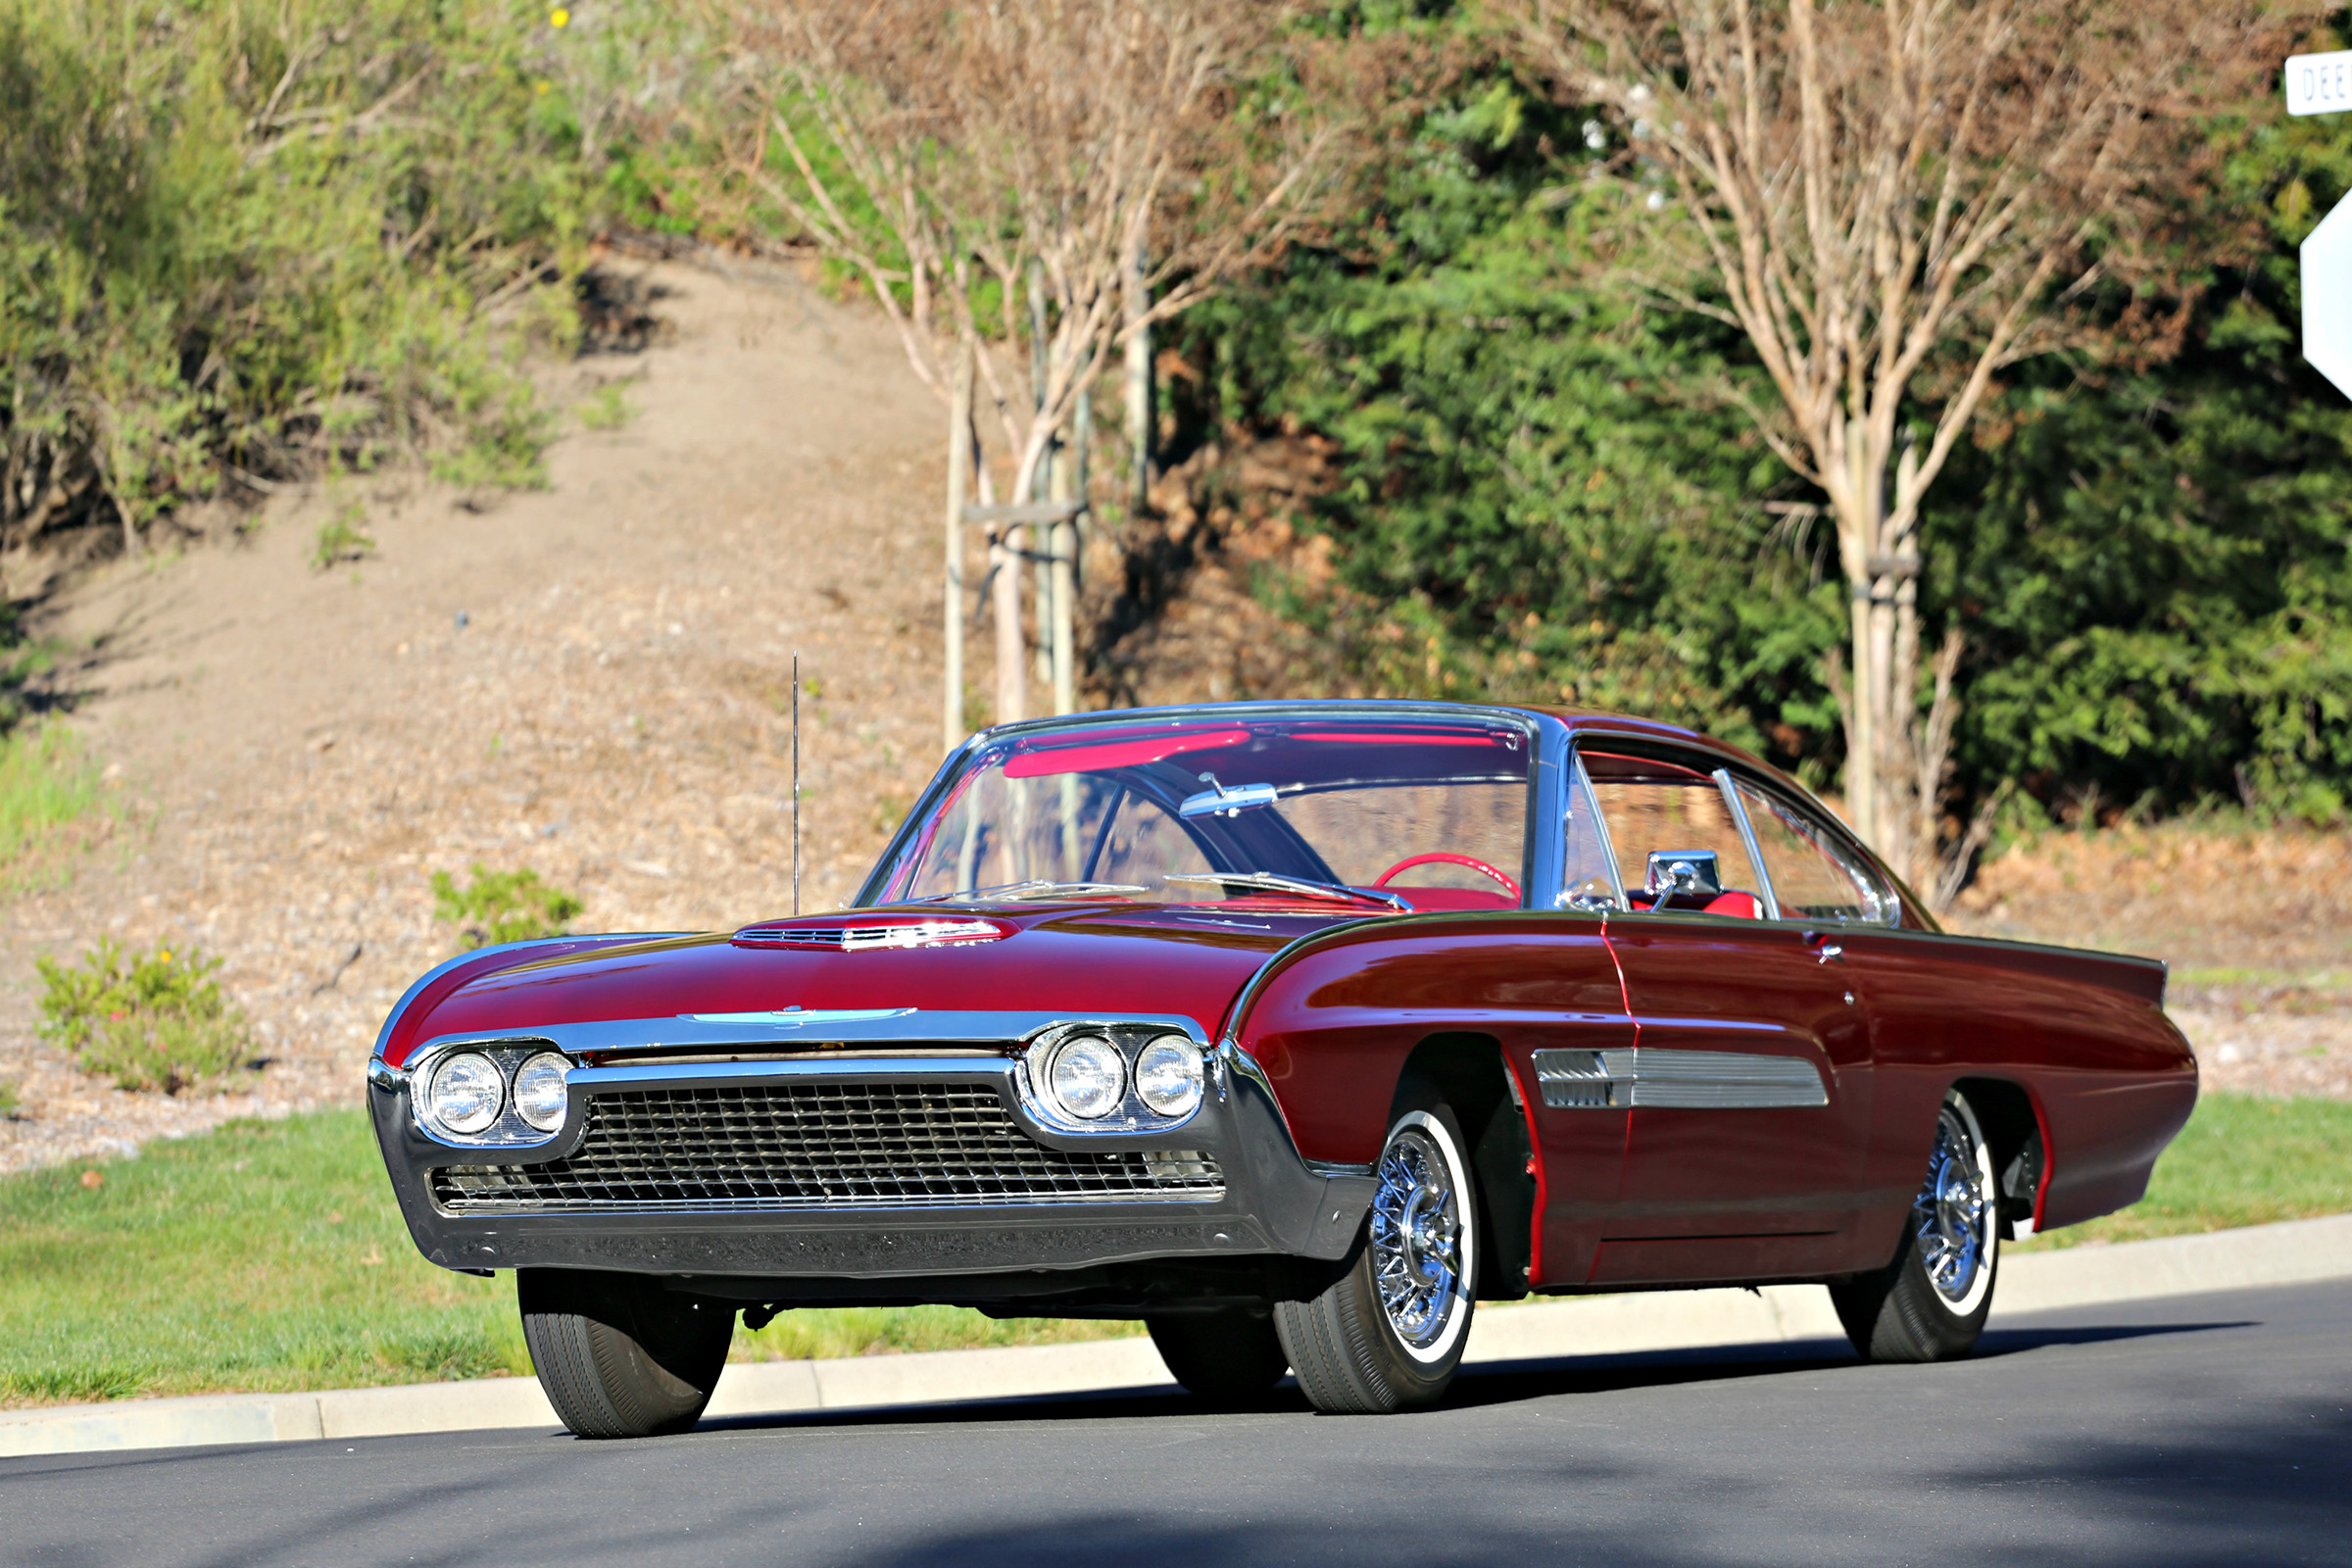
(1224, 800)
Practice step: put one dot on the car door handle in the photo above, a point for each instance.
(1824, 950)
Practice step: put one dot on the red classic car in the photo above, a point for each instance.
(1294, 1030)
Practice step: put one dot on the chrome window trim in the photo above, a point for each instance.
(1825, 822)
(1797, 797)
(1601, 830)
(1532, 726)
(1747, 841)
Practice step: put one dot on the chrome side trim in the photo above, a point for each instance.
(1679, 1080)
(794, 1030)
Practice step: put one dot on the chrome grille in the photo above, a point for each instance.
(817, 1145)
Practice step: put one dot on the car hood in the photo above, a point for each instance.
(1095, 960)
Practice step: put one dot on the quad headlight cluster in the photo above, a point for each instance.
(1087, 1077)
(467, 1092)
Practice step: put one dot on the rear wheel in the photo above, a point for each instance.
(1930, 1305)
(1228, 1358)
(1389, 1334)
(618, 1355)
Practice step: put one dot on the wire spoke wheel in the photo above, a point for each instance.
(1387, 1334)
(1930, 1301)
(1952, 1218)
(1416, 1239)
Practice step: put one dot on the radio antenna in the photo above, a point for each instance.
(796, 781)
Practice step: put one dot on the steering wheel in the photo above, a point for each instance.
(1441, 857)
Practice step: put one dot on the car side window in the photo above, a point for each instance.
(1587, 880)
(1677, 846)
(1813, 876)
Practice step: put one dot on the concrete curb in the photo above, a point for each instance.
(2294, 1252)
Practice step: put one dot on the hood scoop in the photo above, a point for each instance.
(879, 931)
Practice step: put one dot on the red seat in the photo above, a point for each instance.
(1431, 899)
(1747, 906)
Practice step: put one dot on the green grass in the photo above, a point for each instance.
(265, 1255)
(47, 783)
(2241, 1160)
(269, 1255)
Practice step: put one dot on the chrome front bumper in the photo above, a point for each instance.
(1266, 1201)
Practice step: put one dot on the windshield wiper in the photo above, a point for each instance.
(1274, 882)
(1035, 888)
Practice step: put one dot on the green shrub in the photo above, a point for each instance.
(148, 1020)
(7, 1098)
(608, 408)
(503, 907)
(275, 241)
(341, 539)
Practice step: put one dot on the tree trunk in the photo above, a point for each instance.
(1137, 301)
(1895, 768)
(960, 471)
(1058, 628)
(1004, 572)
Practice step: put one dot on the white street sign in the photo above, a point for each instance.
(2328, 297)
(2319, 84)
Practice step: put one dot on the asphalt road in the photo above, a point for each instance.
(2212, 1429)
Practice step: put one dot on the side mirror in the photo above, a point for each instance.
(1684, 871)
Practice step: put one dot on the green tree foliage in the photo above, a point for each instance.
(2152, 561)
(268, 236)
(2155, 568)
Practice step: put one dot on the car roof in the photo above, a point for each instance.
(1576, 720)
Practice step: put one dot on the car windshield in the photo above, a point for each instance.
(1211, 810)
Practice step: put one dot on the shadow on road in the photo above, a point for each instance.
(1481, 1383)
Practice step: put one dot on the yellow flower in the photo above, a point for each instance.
(558, 18)
(539, 86)
(167, 955)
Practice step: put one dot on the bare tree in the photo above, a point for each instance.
(996, 176)
(1895, 200)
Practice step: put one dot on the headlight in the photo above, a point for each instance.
(467, 1093)
(539, 1090)
(1168, 1075)
(1088, 1076)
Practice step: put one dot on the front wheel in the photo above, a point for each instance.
(1231, 1358)
(1389, 1334)
(618, 1355)
(1930, 1305)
